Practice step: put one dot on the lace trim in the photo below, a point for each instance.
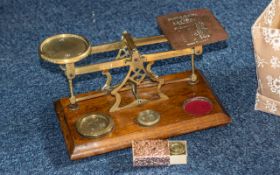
(266, 104)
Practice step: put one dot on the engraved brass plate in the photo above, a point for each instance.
(177, 148)
(64, 48)
(94, 125)
(191, 28)
(148, 118)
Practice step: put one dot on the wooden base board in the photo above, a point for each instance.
(174, 120)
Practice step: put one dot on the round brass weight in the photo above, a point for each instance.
(148, 118)
(64, 48)
(94, 125)
(177, 148)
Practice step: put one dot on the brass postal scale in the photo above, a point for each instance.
(144, 105)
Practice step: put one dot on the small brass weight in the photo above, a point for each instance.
(67, 49)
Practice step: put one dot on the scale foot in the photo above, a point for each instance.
(73, 106)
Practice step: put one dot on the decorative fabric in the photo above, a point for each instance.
(266, 40)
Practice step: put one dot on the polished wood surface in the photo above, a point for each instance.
(174, 120)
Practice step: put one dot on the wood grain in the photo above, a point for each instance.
(174, 120)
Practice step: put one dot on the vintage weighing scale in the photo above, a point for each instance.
(144, 105)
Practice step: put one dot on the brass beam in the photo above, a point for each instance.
(121, 63)
(138, 42)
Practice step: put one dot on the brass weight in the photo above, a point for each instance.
(94, 125)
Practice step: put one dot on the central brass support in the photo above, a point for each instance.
(135, 76)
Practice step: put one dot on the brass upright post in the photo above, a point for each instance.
(193, 78)
(70, 74)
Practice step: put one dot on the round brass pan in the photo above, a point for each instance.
(64, 48)
(94, 125)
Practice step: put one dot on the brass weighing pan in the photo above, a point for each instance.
(64, 48)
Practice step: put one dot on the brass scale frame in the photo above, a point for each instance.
(128, 55)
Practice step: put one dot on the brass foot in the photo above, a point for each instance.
(193, 80)
(73, 107)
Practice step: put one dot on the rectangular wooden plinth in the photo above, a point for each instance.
(174, 120)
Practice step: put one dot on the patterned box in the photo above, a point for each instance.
(266, 40)
(159, 152)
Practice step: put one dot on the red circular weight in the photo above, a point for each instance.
(198, 106)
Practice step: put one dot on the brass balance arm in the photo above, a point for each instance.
(138, 42)
(148, 58)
